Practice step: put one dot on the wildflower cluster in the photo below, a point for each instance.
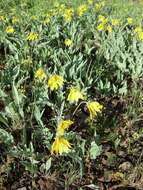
(105, 25)
(61, 69)
(56, 82)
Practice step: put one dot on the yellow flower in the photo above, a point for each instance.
(63, 125)
(130, 20)
(40, 74)
(98, 6)
(9, 29)
(56, 4)
(100, 27)
(109, 28)
(102, 19)
(115, 22)
(68, 13)
(61, 8)
(81, 9)
(60, 146)
(1, 18)
(21, 90)
(138, 29)
(140, 35)
(55, 82)
(94, 107)
(68, 42)
(47, 21)
(32, 36)
(90, 2)
(102, 3)
(33, 17)
(53, 12)
(75, 95)
(14, 19)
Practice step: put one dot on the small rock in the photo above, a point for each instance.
(125, 166)
(124, 144)
(22, 188)
(122, 154)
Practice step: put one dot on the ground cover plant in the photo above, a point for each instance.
(71, 76)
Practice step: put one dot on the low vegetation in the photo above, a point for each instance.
(71, 76)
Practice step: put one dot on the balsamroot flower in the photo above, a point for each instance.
(2, 18)
(40, 74)
(55, 82)
(75, 95)
(9, 29)
(102, 19)
(138, 29)
(109, 28)
(115, 22)
(63, 125)
(101, 27)
(130, 20)
(81, 9)
(68, 42)
(32, 36)
(68, 15)
(94, 107)
(60, 146)
(90, 2)
(140, 35)
(15, 20)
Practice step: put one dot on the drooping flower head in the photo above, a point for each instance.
(130, 20)
(140, 35)
(60, 146)
(40, 74)
(102, 19)
(94, 108)
(68, 14)
(15, 20)
(99, 6)
(115, 22)
(63, 125)
(1, 18)
(32, 36)
(138, 29)
(9, 29)
(90, 2)
(55, 82)
(68, 42)
(74, 95)
(81, 9)
(101, 27)
(109, 28)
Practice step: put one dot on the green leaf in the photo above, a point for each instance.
(15, 95)
(95, 150)
(6, 138)
(38, 115)
(48, 164)
(3, 120)
(2, 94)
